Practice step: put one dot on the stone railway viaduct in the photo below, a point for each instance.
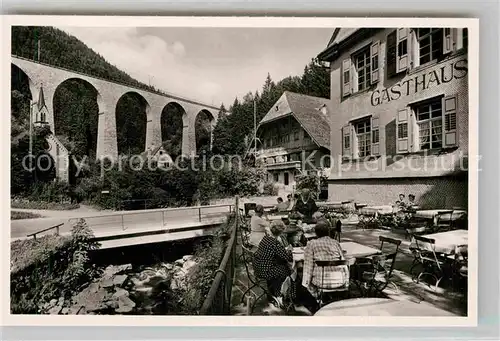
(108, 93)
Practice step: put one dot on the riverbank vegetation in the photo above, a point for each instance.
(50, 267)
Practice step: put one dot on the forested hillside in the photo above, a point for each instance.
(61, 49)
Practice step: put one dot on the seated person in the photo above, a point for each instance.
(305, 207)
(401, 202)
(259, 226)
(271, 260)
(282, 206)
(411, 201)
(290, 202)
(323, 248)
(282, 237)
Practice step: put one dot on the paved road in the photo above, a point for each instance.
(123, 222)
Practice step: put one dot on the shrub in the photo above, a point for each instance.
(17, 215)
(310, 182)
(40, 205)
(208, 258)
(270, 188)
(51, 192)
(50, 267)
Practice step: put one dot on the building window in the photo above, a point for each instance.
(307, 138)
(403, 130)
(362, 66)
(430, 124)
(430, 43)
(375, 136)
(363, 135)
(276, 177)
(285, 178)
(391, 54)
(296, 136)
(42, 117)
(347, 141)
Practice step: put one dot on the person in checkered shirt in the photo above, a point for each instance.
(323, 248)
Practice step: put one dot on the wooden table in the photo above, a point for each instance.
(432, 214)
(272, 217)
(374, 210)
(380, 307)
(353, 250)
(446, 242)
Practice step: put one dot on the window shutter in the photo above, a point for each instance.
(458, 38)
(450, 131)
(414, 132)
(391, 54)
(346, 141)
(374, 65)
(402, 131)
(354, 143)
(346, 77)
(447, 40)
(402, 49)
(375, 134)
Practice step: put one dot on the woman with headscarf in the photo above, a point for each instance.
(258, 225)
(305, 206)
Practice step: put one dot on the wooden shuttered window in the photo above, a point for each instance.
(448, 40)
(375, 62)
(454, 39)
(346, 77)
(403, 131)
(375, 136)
(402, 52)
(347, 141)
(450, 122)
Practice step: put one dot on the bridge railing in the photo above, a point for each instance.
(218, 301)
(157, 218)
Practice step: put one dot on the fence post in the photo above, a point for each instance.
(163, 218)
(199, 213)
(123, 225)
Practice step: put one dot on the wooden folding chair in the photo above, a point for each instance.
(442, 225)
(322, 289)
(425, 255)
(255, 282)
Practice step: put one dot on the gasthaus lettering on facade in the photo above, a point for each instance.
(399, 115)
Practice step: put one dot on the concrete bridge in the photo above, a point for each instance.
(127, 228)
(109, 93)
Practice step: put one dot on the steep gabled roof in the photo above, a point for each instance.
(307, 111)
(340, 34)
(41, 99)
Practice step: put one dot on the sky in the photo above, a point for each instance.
(211, 65)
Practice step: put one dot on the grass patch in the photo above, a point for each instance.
(16, 215)
(41, 205)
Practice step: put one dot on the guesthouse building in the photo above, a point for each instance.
(399, 115)
(294, 139)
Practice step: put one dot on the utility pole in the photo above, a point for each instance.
(31, 138)
(38, 43)
(255, 126)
